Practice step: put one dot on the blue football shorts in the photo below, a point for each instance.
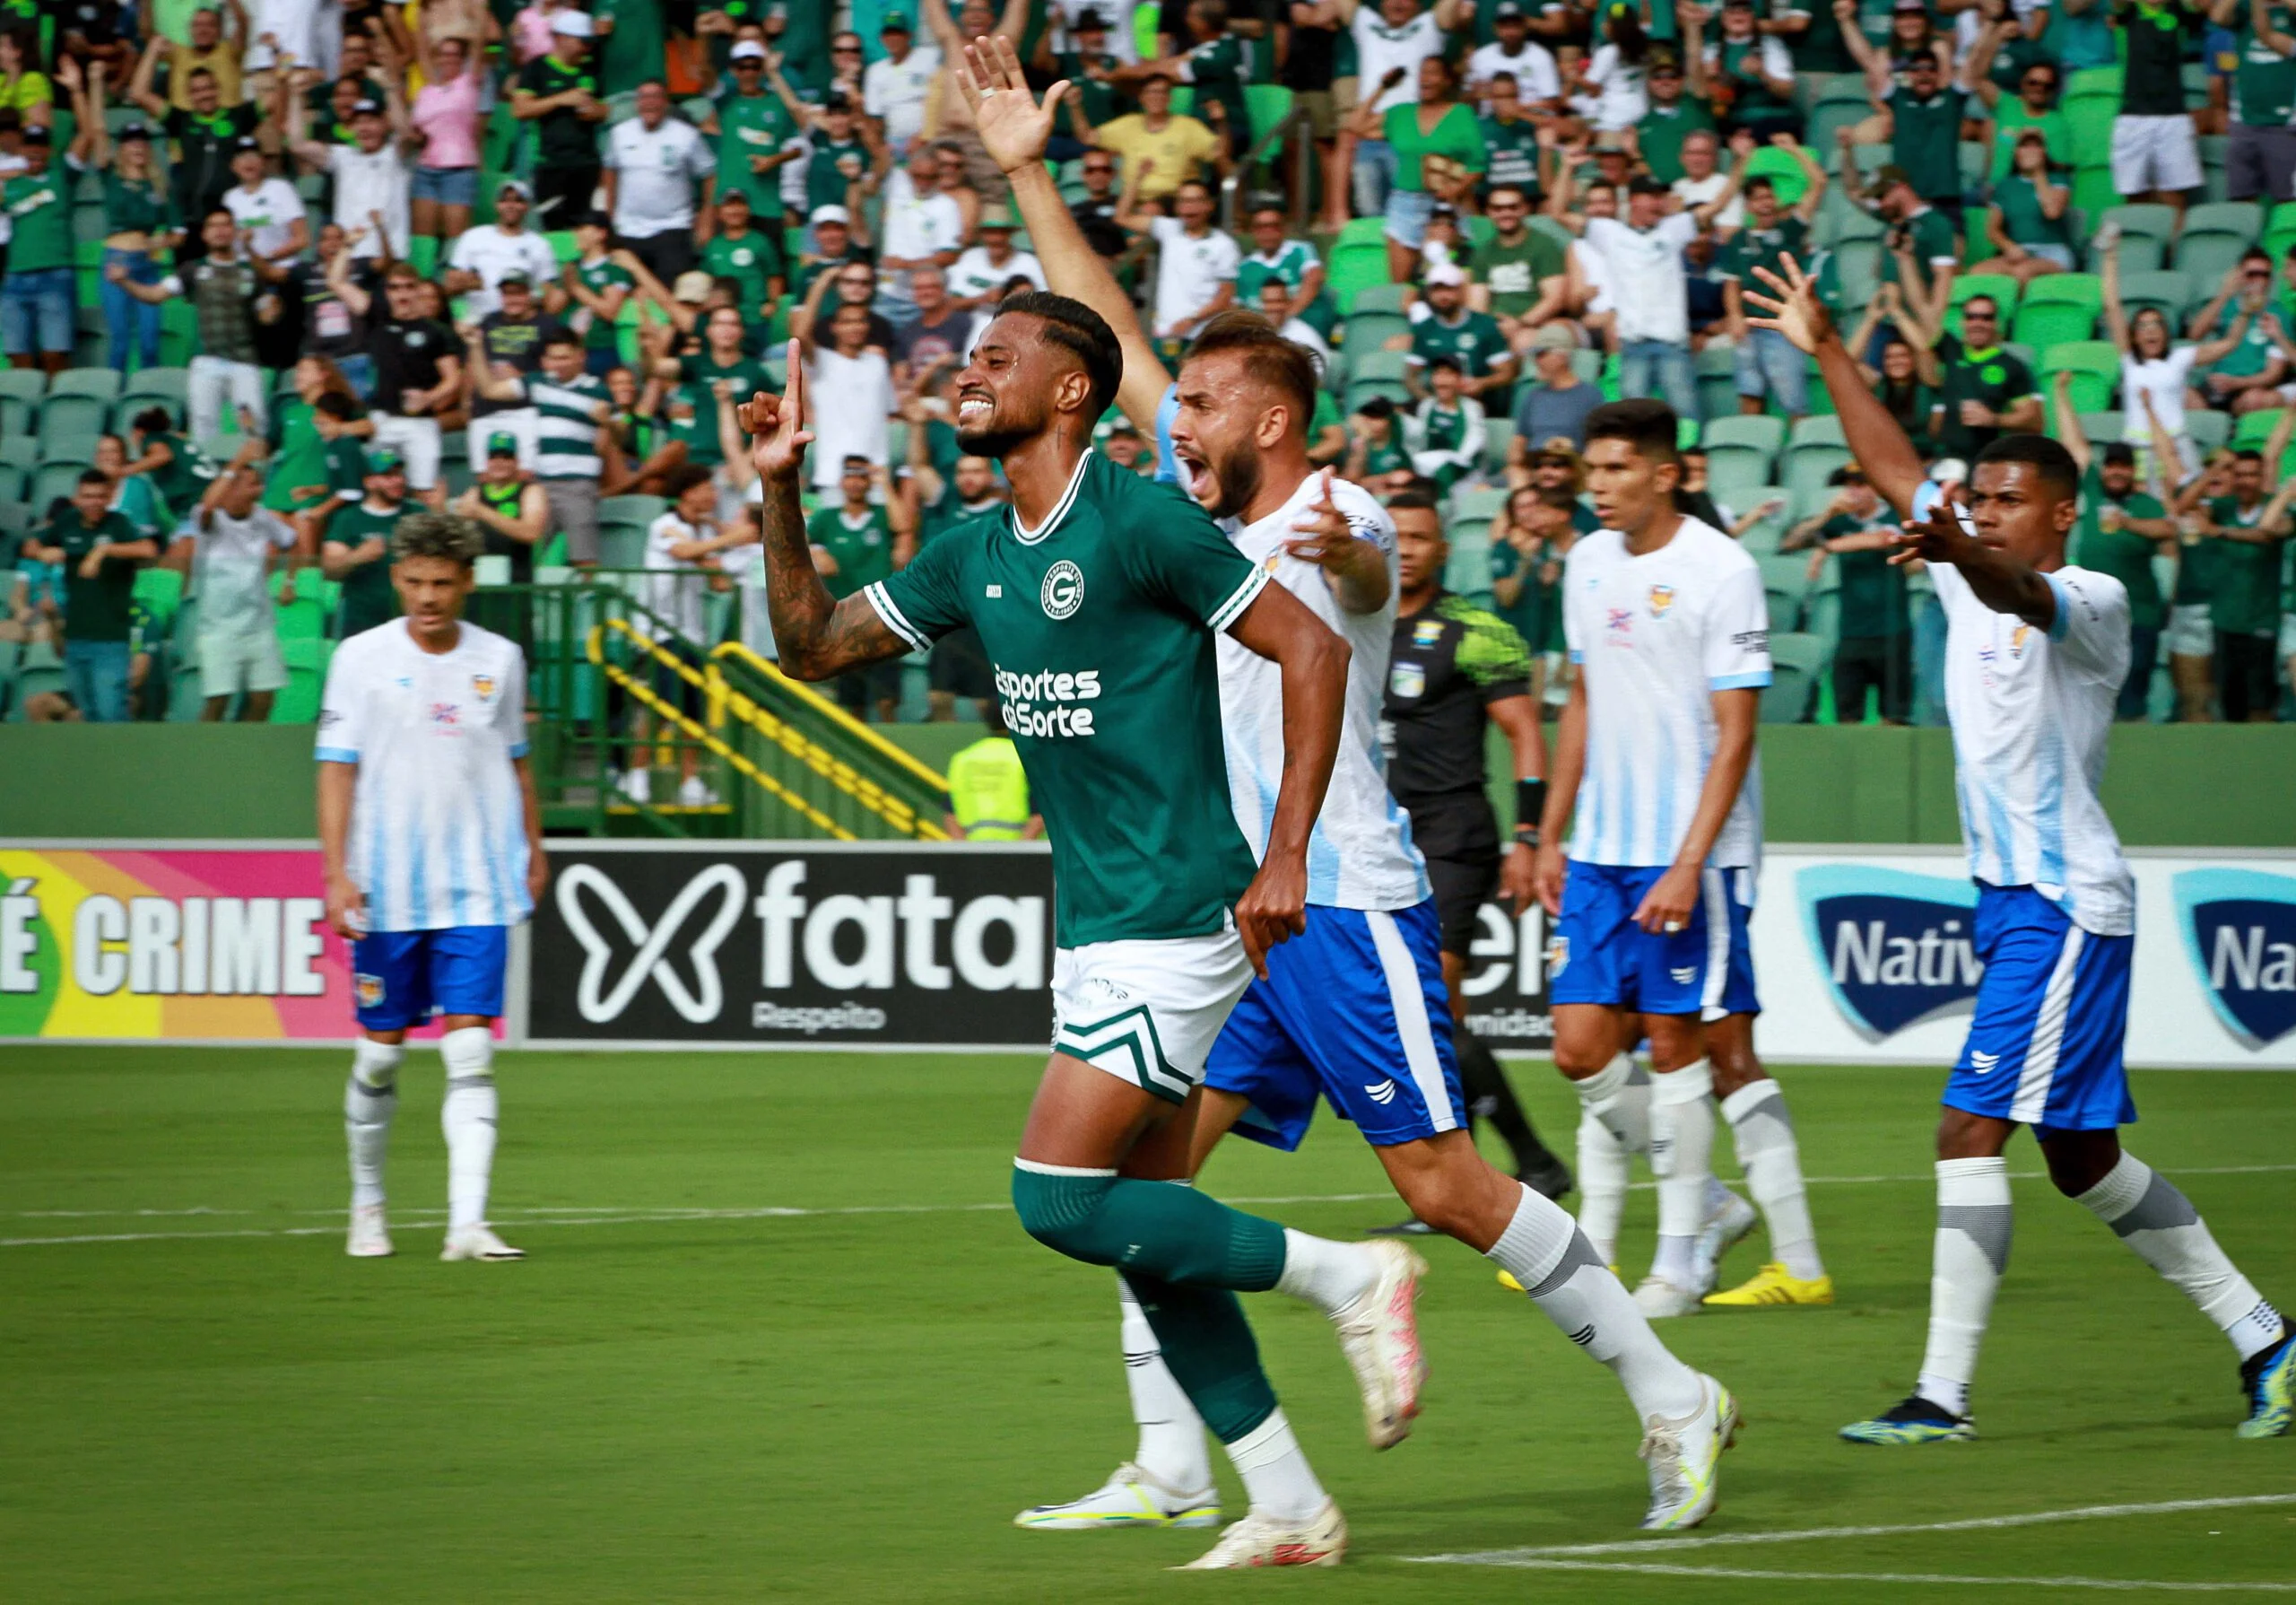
(1598, 955)
(401, 978)
(2052, 1013)
(1355, 1009)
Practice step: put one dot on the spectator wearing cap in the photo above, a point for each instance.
(1664, 132)
(654, 165)
(1752, 72)
(505, 344)
(1444, 325)
(355, 549)
(418, 372)
(1161, 149)
(922, 228)
(266, 210)
(892, 87)
(2156, 148)
(1924, 117)
(373, 171)
(1195, 265)
(976, 279)
(36, 316)
(482, 257)
(1642, 259)
(445, 120)
(597, 287)
(140, 219)
(840, 158)
(1438, 158)
(1375, 459)
(2028, 214)
(205, 128)
(754, 121)
(1514, 54)
(2122, 532)
(1765, 363)
(1091, 69)
(510, 509)
(834, 246)
(1558, 404)
(1919, 252)
(560, 92)
(224, 290)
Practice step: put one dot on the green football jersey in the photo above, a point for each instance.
(367, 598)
(1100, 626)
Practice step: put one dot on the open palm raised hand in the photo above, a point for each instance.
(1793, 305)
(1013, 126)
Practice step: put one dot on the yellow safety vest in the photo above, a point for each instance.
(987, 790)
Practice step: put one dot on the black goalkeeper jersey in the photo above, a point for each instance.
(1449, 662)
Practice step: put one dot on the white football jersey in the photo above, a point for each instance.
(2030, 709)
(438, 834)
(1654, 638)
(1359, 854)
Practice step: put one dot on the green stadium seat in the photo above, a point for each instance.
(1764, 434)
(2208, 255)
(1733, 467)
(2252, 430)
(1498, 435)
(1352, 268)
(1761, 539)
(1807, 469)
(2093, 187)
(2104, 426)
(1468, 571)
(621, 546)
(1378, 365)
(1786, 581)
(1795, 660)
(2096, 81)
(15, 484)
(2169, 290)
(1391, 298)
(21, 450)
(2208, 428)
(1824, 429)
(1478, 501)
(2057, 308)
(642, 510)
(2089, 117)
(1361, 230)
(100, 383)
(2138, 253)
(57, 477)
(38, 671)
(2146, 218)
(306, 658)
(2244, 218)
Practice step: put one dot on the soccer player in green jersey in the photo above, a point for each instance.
(1098, 596)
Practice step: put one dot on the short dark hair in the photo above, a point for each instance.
(681, 480)
(155, 420)
(2120, 452)
(1644, 184)
(1759, 181)
(561, 336)
(2248, 454)
(2049, 460)
(1447, 360)
(335, 405)
(1283, 365)
(1083, 333)
(1517, 190)
(437, 535)
(856, 463)
(1648, 426)
(89, 476)
(1412, 500)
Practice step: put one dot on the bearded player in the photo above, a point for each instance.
(1354, 1007)
(2035, 653)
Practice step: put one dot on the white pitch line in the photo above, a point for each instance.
(1543, 1555)
(2108, 1584)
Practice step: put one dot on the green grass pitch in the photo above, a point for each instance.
(779, 1337)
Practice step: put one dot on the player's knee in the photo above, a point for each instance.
(1059, 1210)
(468, 1053)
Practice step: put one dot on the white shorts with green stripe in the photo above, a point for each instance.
(1147, 1012)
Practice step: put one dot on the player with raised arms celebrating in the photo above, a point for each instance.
(431, 843)
(1100, 598)
(2035, 653)
(1354, 1008)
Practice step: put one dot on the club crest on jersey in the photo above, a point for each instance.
(482, 686)
(1064, 591)
(1558, 955)
(1426, 632)
(2017, 639)
(1407, 681)
(370, 989)
(1662, 598)
(2239, 931)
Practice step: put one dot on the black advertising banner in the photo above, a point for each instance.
(807, 944)
(874, 945)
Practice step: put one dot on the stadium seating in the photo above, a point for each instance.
(2207, 255)
(1794, 663)
(2170, 291)
(2208, 429)
(2253, 429)
(1376, 373)
(2057, 308)
(2095, 367)
(1761, 537)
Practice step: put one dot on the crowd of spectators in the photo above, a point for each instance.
(525, 258)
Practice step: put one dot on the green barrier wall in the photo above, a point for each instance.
(2166, 785)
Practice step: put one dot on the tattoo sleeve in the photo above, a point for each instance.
(817, 636)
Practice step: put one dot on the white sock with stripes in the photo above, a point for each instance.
(1763, 1133)
(369, 1099)
(2148, 1212)
(1171, 1433)
(1615, 1123)
(1970, 1252)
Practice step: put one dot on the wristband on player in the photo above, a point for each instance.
(1530, 808)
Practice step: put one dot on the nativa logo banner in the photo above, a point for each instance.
(2239, 931)
(1895, 948)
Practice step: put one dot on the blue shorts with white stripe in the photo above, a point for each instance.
(2052, 1013)
(1354, 1010)
(1598, 955)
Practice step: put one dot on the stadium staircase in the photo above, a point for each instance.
(782, 760)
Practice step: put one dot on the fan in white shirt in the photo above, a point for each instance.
(372, 173)
(484, 256)
(269, 210)
(1196, 264)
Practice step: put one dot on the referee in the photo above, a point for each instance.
(1452, 670)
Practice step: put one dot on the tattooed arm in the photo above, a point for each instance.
(816, 635)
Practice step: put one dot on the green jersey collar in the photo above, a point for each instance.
(1029, 537)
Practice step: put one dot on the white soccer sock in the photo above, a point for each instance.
(1171, 1433)
(1330, 1275)
(1615, 1123)
(2145, 1209)
(1682, 1157)
(467, 1118)
(1764, 1134)
(1542, 1249)
(1278, 1481)
(369, 1099)
(1972, 1251)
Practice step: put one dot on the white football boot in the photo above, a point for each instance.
(1682, 1454)
(478, 1243)
(1727, 1224)
(1129, 1498)
(1260, 1540)
(370, 1238)
(1379, 1335)
(1659, 1299)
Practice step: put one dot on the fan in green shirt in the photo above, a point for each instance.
(1293, 262)
(752, 125)
(748, 255)
(1672, 118)
(1217, 65)
(2020, 215)
(2244, 595)
(356, 549)
(601, 277)
(1472, 339)
(2264, 88)
(1510, 141)
(1512, 267)
(859, 541)
(99, 552)
(631, 48)
(1922, 232)
(38, 204)
(1455, 137)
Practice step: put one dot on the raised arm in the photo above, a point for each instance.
(139, 88)
(2115, 315)
(815, 636)
(1893, 467)
(2069, 431)
(1875, 64)
(1013, 126)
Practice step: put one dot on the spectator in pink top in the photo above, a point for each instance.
(530, 29)
(445, 119)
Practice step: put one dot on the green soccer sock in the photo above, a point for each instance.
(1209, 1349)
(1173, 1233)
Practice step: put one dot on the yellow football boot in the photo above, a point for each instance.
(1773, 1284)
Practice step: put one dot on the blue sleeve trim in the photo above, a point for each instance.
(1753, 681)
(337, 754)
(518, 750)
(1578, 657)
(2062, 621)
(1168, 471)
